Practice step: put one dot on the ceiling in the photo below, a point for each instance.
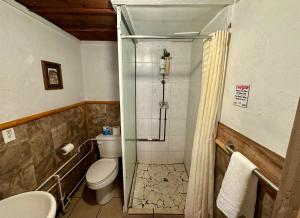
(96, 19)
(167, 20)
(85, 19)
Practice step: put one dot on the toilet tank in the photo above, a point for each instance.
(109, 146)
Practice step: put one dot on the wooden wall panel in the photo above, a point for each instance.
(269, 163)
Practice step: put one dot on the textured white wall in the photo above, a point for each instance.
(149, 94)
(100, 70)
(25, 41)
(264, 52)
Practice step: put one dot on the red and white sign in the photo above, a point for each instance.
(241, 95)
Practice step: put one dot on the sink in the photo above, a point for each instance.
(35, 204)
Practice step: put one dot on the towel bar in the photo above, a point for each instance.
(230, 149)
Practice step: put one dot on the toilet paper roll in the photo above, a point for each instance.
(116, 130)
(67, 149)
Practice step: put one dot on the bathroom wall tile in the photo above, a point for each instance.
(143, 128)
(175, 157)
(41, 145)
(13, 157)
(96, 118)
(176, 143)
(159, 157)
(100, 115)
(19, 180)
(177, 127)
(144, 157)
(180, 73)
(160, 146)
(144, 52)
(181, 52)
(45, 168)
(179, 100)
(144, 72)
(144, 146)
(60, 135)
(113, 114)
(144, 99)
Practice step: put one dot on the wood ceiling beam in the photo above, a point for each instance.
(72, 11)
(80, 29)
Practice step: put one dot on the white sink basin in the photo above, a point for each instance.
(35, 204)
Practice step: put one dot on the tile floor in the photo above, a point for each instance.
(160, 186)
(83, 205)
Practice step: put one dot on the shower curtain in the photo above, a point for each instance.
(200, 195)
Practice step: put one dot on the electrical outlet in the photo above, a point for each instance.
(8, 135)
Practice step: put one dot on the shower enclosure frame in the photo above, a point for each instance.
(122, 15)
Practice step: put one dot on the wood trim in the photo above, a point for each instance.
(90, 29)
(222, 146)
(269, 163)
(88, 11)
(37, 116)
(102, 102)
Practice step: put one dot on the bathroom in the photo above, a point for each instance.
(144, 109)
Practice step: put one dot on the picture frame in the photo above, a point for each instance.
(52, 75)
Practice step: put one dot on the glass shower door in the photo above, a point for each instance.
(126, 54)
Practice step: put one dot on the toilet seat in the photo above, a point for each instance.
(101, 173)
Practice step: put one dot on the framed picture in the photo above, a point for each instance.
(52, 75)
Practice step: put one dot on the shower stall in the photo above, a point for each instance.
(160, 77)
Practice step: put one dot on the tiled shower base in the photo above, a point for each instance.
(160, 188)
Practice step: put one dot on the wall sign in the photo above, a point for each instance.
(241, 95)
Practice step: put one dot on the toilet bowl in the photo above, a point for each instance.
(101, 174)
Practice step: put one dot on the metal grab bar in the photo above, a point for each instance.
(58, 178)
(230, 149)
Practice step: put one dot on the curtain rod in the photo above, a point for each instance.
(164, 37)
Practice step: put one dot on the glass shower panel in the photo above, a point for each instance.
(129, 112)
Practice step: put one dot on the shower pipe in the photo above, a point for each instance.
(230, 149)
(58, 178)
(163, 82)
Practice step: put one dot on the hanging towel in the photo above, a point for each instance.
(237, 195)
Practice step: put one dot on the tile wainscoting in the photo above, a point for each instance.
(30, 159)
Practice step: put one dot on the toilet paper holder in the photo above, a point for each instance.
(66, 149)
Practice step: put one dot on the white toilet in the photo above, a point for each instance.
(101, 174)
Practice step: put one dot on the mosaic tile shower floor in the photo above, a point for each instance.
(160, 186)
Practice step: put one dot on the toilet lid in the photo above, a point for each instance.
(100, 170)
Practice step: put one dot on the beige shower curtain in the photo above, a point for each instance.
(199, 202)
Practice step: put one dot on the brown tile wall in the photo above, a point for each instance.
(34, 155)
(100, 115)
(265, 198)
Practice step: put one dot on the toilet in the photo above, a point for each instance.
(102, 174)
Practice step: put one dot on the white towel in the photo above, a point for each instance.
(237, 196)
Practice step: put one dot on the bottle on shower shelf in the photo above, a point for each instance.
(162, 65)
